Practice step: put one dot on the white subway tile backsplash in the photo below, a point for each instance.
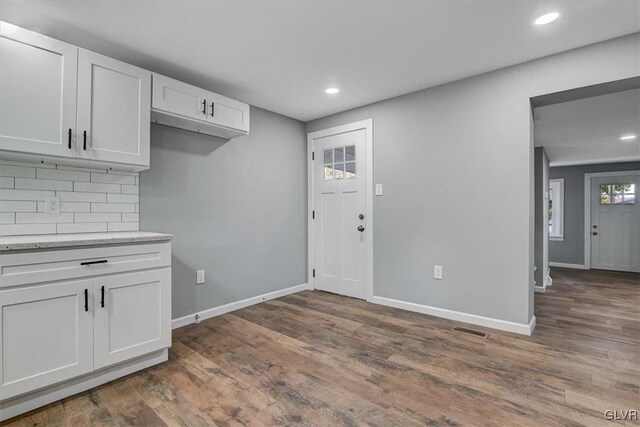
(25, 194)
(113, 207)
(6, 182)
(113, 179)
(130, 189)
(83, 227)
(94, 187)
(17, 171)
(124, 226)
(17, 206)
(62, 175)
(130, 217)
(42, 218)
(98, 217)
(7, 218)
(43, 184)
(91, 199)
(81, 197)
(21, 229)
(123, 198)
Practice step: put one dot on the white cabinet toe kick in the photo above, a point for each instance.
(75, 318)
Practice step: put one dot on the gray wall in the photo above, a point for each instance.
(237, 209)
(541, 206)
(571, 249)
(457, 164)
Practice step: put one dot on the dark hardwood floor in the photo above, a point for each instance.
(315, 358)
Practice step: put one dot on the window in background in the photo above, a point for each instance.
(556, 209)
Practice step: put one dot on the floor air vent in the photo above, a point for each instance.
(470, 331)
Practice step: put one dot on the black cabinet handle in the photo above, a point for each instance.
(102, 261)
(213, 109)
(204, 107)
(84, 145)
(102, 297)
(69, 138)
(86, 300)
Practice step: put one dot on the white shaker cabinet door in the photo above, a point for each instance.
(178, 98)
(37, 93)
(46, 334)
(228, 112)
(114, 110)
(132, 315)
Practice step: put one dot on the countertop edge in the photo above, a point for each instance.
(89, 241)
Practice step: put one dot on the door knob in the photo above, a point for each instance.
(595, 233)
(361, 228)
(361, 216)
(595, 226)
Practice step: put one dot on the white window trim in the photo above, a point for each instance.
(556, 234)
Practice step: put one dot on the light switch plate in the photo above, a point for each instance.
(378, 189)
(52, 205)
(437, 272)
(199, 277)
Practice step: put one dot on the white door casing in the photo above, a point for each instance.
(47, 335)
(341, 209)
(114, 109)
(614, 235)
(37, 93)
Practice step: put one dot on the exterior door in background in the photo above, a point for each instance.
(615, 223)
(340, 225)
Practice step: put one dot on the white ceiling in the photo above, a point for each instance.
(589, 130)
(281, 55)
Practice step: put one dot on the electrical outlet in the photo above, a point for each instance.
(437, 272)
(52, 205)
(199, 277)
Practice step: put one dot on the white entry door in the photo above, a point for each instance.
(615, 223)
(340, 204)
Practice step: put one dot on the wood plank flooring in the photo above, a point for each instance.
(315, 358)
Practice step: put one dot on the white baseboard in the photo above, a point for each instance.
(474, 319)
(232, 306)
(538, 289)
(548, 281)
(565, 265)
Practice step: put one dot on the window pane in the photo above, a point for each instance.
(339, 170)
(604, 189)
(350, 170)
(338, 155)
(328, 172)
(629, 188)
(605, 199)
(617, 199)
(618, 188)
(328, 156)
(350, 153)
(629, 199)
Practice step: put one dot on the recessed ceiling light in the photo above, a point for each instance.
(630, 137)
(547, 18)
(332, 90)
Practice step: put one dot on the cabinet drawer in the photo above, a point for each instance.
(51, 265)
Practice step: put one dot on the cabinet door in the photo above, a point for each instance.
(182, 99)
(46, 334)
(228, 112)
(114, 109)
(37, 93)
(132, 315)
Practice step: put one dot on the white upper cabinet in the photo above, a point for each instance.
(114, 108)
(189, 107)
(74, 105)
(37, 93)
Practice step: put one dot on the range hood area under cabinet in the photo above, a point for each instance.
(69, 105)
(184, 106)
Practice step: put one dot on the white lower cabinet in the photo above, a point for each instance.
(126, 300)
(61, 337)
(46, 334)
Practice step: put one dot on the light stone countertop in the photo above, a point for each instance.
(44, 241)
